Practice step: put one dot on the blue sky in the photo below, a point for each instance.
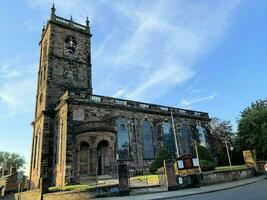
(208, 55)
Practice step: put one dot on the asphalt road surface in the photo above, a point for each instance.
(256, 191)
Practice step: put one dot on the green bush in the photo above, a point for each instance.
(204, 154)
(207, 162)
(207, 165)
(158, 162)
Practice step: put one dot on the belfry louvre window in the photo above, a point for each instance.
(148, 143)
(44, 51)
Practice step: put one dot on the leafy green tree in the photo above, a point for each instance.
(252, 130)
(8, 160)
(158, 162)
(221, 132)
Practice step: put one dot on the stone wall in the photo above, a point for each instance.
(67, 196)
(29, 195)
(209, 178)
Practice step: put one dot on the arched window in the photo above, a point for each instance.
(123, 139)
(168, 139)
(186, 140)
(147, 138)
(201, 135)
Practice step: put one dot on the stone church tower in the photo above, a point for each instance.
(78, 135)
(65, 64)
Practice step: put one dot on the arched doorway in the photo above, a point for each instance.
(103, 155)
(84, 158)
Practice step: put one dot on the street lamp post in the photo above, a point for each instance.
(195, 143)
(227, 149)
(175, 138)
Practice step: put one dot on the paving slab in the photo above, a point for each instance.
(159, 193)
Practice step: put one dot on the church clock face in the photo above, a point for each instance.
(70, 46)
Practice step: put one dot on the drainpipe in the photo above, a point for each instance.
(175, 138)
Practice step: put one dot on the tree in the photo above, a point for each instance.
(221, 132)
(158, 162)
(252, 130)
(8, 160)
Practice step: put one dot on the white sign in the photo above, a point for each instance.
(180, 180)
(180, 164)
(195, 162)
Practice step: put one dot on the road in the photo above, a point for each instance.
(256, 191)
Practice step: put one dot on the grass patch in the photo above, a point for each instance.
(152, 179)
(71, 187)
(227, 168)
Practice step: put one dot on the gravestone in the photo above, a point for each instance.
(123, 179)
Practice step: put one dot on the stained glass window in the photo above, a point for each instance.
(186, 140)
(201, 136)
(123, 139)
(147, 137)
(168, 139)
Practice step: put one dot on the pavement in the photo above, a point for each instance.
(159, 193)
(254, 191)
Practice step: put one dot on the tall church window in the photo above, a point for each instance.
(37, 146)
(168, 139)
(186, 140)
(41, 77)
(44, 75)
(201, 135)
(123, 139)
(44, 51)
(147, 138)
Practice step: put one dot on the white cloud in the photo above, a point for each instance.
(162, 47)
(161, 78)
(119, 93)
(7, 70)
(149, 48)
(18, 96)
(188, 103)
(17, 86)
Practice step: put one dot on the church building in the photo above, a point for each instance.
(78, 135)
